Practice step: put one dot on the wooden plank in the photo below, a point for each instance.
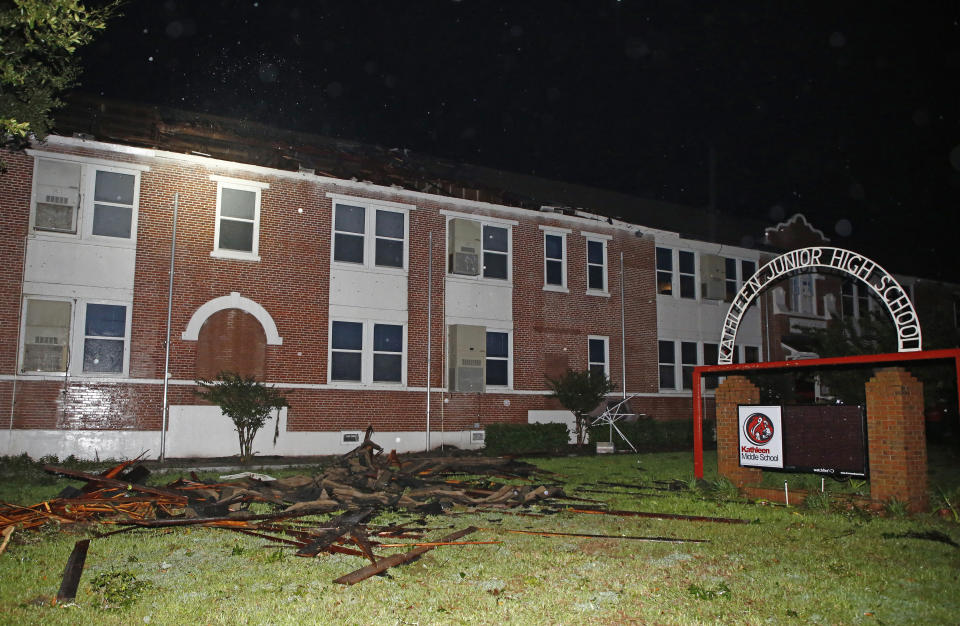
(397, 559)
(72, 572)
(339, 526)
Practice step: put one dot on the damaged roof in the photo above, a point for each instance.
(243, 141)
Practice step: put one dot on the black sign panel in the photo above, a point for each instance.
(825, 439)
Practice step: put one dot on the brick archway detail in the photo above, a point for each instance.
(233, 301)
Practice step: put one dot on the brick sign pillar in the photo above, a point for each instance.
(896, 440)
(733, 391)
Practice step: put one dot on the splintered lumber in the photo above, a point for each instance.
(6, 533)
(340, 526)
(397, 559)
(119, 484)
(73, 571)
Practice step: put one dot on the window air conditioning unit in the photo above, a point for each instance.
(468, 354)
(45, 354)
(465, 244)
(55, 213)
(713, 274)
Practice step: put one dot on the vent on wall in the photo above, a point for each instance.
(477, 436)
(468, 353)
(350, 437)
(464, 246)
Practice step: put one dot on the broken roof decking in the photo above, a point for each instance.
(252, 143)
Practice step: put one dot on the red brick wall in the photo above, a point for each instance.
(731, 392)
(897, 443)
(231, 340)
(291, 281)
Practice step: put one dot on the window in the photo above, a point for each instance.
(387, 353)
(555, 260)
(496, 242)
(85, 199)
(668, 364)
(346, 351)
(688, 274)
(498, 359)
(747, 270)
(732, 286)
(237, 230)
(598, 361)
(854, 299)
(369, 235)
(711, 354)
(665, 271)
(596, 263)
(102, 332)
(366, 352)
(802, 293)
(688, 359)
(103, 338)
(751, 354)
(46, 336)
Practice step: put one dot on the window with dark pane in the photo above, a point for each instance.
(711, 354)
(668, 362)
(597, 356)
(688, 279)
(498, 359)
(237, 219)
(390, 238)
(730, 266)
(346, 345)
(688, 358)
(664, 271)
(553, 257)
(348, 233)
(596, 265)
(113, 204)
(104, 338)
(495, 246)
(387, 353)
(751, 354)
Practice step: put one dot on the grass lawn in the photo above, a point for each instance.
(789, 565)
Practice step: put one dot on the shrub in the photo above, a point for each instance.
(247, 402)
(649, 435)
(580, 392)
(525, 439)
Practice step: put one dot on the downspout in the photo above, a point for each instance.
(623, 338)
(16, 361)
(166, 360)
(429, 325)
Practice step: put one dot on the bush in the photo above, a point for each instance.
(525, 439)
(651, 435)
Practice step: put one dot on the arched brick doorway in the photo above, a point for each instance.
(231, 340)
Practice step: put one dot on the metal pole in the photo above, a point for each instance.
(623, 336)
(429, 324)
(166, 361)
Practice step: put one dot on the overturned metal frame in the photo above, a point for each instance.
(865, 359)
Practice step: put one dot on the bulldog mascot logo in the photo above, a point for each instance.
(758, 428)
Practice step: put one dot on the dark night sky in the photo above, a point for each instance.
(847, 113)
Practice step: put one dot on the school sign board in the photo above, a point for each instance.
(761, 436)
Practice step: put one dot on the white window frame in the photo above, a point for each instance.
(224, 182)
(606, 353)
(509, 360)
(83, 225)
(674, 363)
(75, 342)
(370, 208)
(678, 275)
(483, 220)
(602, 240)
(562, 233)
(366, 355)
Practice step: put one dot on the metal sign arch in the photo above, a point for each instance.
(857, 266)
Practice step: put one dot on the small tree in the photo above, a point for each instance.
(580, 392)
(245, 401)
